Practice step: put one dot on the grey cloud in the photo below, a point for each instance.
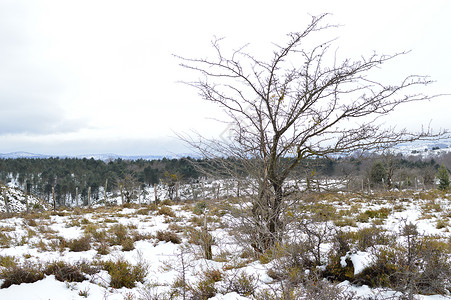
(31, 89)
(82, 146)
(27, 112)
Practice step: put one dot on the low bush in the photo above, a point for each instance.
(241, 283)
(381, 213)
(65, 272)
(81, 244)
(370, 237)
(15, 274)
(118, 234)
(205, 287)
(166, 211)
(289, 262)
(213, 275)
(127, 245)
(124, 274)
(323, 290)
(168, 236)
(144, 211)
(382, 273)
(345, 221)
(442, 223)
(167, 202)
(8, 261)
(322, 212)
(5, 240)
(336, 272)
(416, 265)
(103, 248)
(431, 206)
(91, 229)
(200, 207)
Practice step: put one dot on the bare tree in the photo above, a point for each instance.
(303, 102)
(129, 188)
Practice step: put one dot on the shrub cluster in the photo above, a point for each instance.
(29, 273)
(168, 236)
(406, 261)
(124, 274)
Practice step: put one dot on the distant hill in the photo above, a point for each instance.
(424, 149)
(103, 157)
(420, 148)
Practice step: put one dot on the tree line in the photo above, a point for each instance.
(89, 177)
(69, 175)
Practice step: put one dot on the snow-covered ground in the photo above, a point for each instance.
(44, 237)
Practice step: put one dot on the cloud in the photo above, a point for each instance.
(78, 144)
(33, 89)
(98, 76)
(34, 110)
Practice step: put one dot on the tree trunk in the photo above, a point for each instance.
(26, 196)
(267, 210)
(274, 223)
(155, 191)
(76, 196)
(106, 186)
(121, 187)
(89, 196)
(53, 197)
(5, 197)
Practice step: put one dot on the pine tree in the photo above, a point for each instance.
(443, 177)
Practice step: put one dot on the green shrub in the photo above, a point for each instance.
(100, 236)
(91, 229)
(128, 245)
(65, 272)
(103, 248)
(85, 221)
(323, 212)
(166, 211)
(168, 236)
(5, 240)
(336, 272)
(143, 211)
(441, 223)
(81, 244)
(197, 221)
(242, 284)
(443, 177)
(369, 237)
(213, 275)
(430, 206)
(118, 234)
(21, 274)
(167, 202)
(200, 207)
(383, 272)
(419, 266)
(435, 265)
(124, 274)
(205, 287)
(345, 221)
(381, 213)
(8, 261)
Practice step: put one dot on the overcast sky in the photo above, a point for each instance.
(85, 77)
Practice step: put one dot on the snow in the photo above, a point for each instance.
(360, 261)
(229, 296)
(164, 258)
(50, 288)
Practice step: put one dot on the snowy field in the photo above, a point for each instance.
(156, 251)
